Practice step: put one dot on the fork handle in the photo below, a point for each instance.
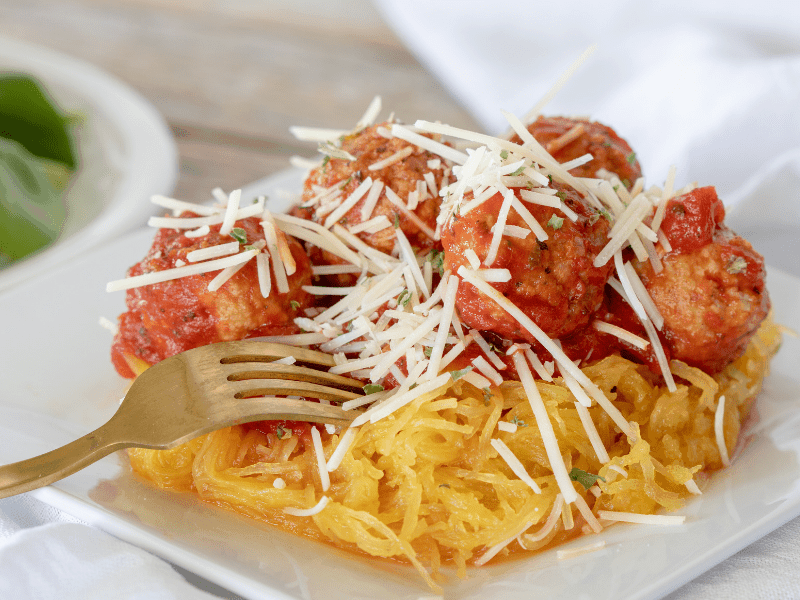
(42, 470)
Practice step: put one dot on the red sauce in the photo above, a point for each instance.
(596, 345)
(167, 318)
(553, 281)
(691, 220)
(300, 429)
(609, 151)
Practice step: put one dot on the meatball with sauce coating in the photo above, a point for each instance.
(553, 281)
(711, 291)
(402, 174)
(166, 318)
(567, 139)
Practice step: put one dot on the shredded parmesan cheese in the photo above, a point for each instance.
(213, 251)
(341, 449)
(546, 429)
(394, 158)
(323, 471)
(628, 517)
(230, 213)
(578, 551)
(564, 362)
(719, 431)
(178, 272)
(307, 512)
(513, 462)
(619, 332)
(592, 434)
(428, 144)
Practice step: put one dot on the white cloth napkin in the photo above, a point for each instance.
(47, 554)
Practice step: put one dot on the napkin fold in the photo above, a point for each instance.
(47, 554)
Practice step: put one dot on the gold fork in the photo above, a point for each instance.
(196, 392)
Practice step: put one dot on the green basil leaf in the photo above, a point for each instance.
(31, 118)
(587, 480)
(32, 210)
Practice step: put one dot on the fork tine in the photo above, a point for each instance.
(279, 387)
(240, 371)
(260, 409)
(255, 351)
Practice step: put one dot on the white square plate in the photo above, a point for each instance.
(58, 384)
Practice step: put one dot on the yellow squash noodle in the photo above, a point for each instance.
(425, 484)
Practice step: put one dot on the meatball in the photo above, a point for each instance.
(711, 291)
(402, 176)
(590, 345)
(610, 151)
(164, 319)
(554, 281)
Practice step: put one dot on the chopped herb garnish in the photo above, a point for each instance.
(562, 195)
(487, 396)
(239, 234)
(427, 351)
(736, 265)
(626, 183)
(404, 298)
(456, 375)
(325, 162)
(372, 388)
(555, 222)
(631, 158)
(518, 422)
(396, 221)
(595, 217)
(504, 154)
(294, 304)
(437, 260)
(587, 480)
(344, 185)
(412, 386)
(283, 433)
(519, 171)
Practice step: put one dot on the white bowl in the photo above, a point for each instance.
(125, 148)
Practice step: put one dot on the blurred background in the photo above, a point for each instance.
(230, 77)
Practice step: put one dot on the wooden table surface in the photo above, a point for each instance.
(231, 76)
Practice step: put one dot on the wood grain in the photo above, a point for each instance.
(231, 77)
